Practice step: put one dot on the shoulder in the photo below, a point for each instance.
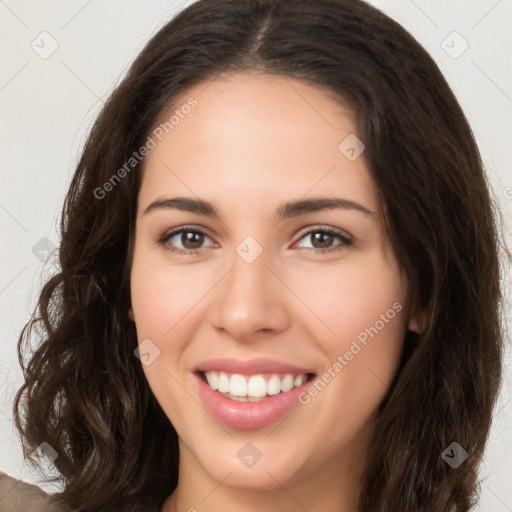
(20, 496)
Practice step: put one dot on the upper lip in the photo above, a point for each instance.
(250, 366)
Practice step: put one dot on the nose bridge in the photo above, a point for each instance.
(249, 300)
(249, 275)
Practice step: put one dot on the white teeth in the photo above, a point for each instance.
(287, 383)
(274, 385)
(213, 380)
(255, 386)
(299, 380)
(222, 383)
(237, 385)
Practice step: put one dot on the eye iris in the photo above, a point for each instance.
(189, 236)
(324, 238)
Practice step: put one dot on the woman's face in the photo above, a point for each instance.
(266, 280)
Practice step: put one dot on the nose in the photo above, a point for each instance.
(251, 299)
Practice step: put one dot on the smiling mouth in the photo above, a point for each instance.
(253, 388)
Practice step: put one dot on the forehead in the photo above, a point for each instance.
(255, 139)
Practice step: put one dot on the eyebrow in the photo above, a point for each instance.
(285, 211)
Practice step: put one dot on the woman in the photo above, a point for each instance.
(257, 368)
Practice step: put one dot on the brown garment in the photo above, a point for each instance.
(20, 496)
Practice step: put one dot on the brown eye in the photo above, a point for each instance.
(322, 239)
(190, 239)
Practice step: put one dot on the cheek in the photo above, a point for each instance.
(162, 294)
(363, 307)
(352, 296)
(160, 301)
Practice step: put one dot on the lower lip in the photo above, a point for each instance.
(249, 415)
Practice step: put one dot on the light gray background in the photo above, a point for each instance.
(48, 104)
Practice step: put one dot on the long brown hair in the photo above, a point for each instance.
(85, 393)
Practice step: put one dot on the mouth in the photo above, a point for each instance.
(253, 388)
(251, 393)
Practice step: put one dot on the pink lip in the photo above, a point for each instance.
(251, 366)
(248, 415)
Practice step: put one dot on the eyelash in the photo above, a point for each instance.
(346, 242)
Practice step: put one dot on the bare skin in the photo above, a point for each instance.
(252, 143)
